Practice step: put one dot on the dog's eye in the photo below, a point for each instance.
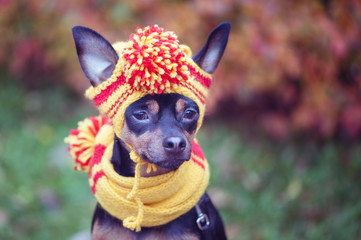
(141, 115)
(189, 114)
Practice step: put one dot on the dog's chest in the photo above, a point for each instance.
(103, 232)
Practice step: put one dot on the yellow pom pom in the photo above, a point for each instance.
(135, 222)
(153, 60)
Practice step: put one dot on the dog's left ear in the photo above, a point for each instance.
(211, 53)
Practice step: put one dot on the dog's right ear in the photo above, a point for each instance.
(96, 55)
(211, 53)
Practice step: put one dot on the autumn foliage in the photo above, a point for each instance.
(291, 67)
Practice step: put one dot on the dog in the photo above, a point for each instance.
(161, 129)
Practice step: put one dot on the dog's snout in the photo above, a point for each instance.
(174, 144)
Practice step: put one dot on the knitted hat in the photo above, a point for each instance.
(151, 62)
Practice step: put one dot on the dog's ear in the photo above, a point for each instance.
(211, 53)
(96, 55)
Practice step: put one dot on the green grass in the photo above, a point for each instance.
(280, 191)
(264, 190)
(41, 197)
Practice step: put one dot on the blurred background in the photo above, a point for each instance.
(283, 124)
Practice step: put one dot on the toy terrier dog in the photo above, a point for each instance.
(161, 129)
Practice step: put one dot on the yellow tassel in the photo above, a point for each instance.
(135, 222)
(151, 167)
(136, 158)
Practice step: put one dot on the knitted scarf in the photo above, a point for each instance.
(151, 62)
(139, 202)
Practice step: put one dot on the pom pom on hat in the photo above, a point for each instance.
(151, 62)
(154, 60)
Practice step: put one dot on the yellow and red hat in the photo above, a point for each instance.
(151, 62)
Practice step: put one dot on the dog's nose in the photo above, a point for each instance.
(174, 144)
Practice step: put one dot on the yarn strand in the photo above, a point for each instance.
(135, 158)
(135, 222)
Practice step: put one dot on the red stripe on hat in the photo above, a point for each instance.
(117, 104)
(198, 94)
(205, 81)
(105, 93)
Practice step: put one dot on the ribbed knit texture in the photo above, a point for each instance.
(148, 202)
(151, 62)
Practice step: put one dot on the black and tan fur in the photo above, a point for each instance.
(161, 129)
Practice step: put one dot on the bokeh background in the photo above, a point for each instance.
(283, 124)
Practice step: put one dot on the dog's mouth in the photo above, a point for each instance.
(168, 163)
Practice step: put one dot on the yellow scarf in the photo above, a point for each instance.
(137, 201)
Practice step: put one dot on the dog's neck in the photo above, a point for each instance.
(124, 166)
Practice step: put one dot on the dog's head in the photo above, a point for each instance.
(156, 112)
(161, 128)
